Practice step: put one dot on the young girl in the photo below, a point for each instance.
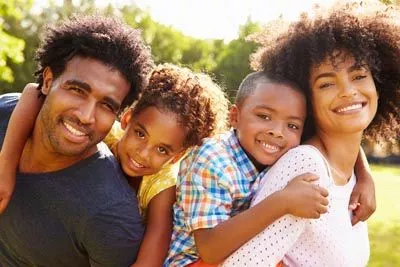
(176, 111)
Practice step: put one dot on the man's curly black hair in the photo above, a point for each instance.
(200, 105)
(368, 32)
(105, 39)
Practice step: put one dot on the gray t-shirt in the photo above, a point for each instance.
(83, 215)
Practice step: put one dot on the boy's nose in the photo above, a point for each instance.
(276, 131)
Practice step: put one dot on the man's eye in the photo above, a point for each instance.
(109, 107)
(77, 90)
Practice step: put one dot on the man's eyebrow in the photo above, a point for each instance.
(81, 84)
(85, 86)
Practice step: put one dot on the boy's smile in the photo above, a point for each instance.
(269, 122)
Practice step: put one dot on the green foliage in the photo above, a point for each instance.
(384, 225)
(11, 47)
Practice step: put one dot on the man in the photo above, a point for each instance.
(71, 205)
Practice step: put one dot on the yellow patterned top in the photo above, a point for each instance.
(151, 185)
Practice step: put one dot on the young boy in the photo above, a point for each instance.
(218, 180)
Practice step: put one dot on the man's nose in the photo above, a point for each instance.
(87, 113)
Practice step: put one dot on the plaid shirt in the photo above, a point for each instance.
(216, 181)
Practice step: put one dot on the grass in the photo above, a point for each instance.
(384, 225)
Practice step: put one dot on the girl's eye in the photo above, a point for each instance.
(139, 133)
(264, 117)
(162, 150)
(293, 126)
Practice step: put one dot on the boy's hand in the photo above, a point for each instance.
(305, 198)
(362, 199)
(7, 183)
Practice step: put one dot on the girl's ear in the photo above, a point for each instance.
(234, 116)
(126, 118)
(47, 81)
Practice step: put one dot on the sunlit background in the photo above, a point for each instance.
(208, 36)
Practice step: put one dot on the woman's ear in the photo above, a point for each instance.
(233, 116)
(47, 81)
(126, 118)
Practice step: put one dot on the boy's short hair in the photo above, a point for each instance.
(201, 105)
(108, 40)
(250, 82)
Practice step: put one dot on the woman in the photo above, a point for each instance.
(350, 63)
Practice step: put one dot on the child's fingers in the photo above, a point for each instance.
(322, 191)
(322, 209)
(3, 203)
(308, 177)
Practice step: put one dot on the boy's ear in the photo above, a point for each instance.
(126, 118)
(233, 116)
(178, 156)
(47, 81)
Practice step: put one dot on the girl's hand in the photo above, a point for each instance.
(304, 198)
(7, 183)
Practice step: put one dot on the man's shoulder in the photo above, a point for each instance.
(9, 100)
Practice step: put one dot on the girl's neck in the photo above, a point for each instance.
(341, 151)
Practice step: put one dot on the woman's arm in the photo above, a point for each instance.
(19, 128)
(300, 198)
(362, 200)
(155, 244)
(273, 242)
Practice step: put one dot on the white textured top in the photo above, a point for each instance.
(330, 240)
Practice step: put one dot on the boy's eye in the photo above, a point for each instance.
(293, 126)
(264, 117)
(325, 85)
(360, 77)
(139, 134)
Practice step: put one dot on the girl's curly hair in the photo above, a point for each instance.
(108, 40)
(200, 105)
(370, 32)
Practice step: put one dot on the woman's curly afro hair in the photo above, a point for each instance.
(370, 32)
(200, 105)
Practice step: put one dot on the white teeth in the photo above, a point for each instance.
(352, 107)
(137, 164)
(270, 147)
(73, 130)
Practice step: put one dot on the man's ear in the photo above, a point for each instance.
(126, 118)
(234, 116)
(47, 80)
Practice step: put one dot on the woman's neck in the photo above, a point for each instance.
(341, 151)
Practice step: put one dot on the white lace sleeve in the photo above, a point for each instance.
(270, 246)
